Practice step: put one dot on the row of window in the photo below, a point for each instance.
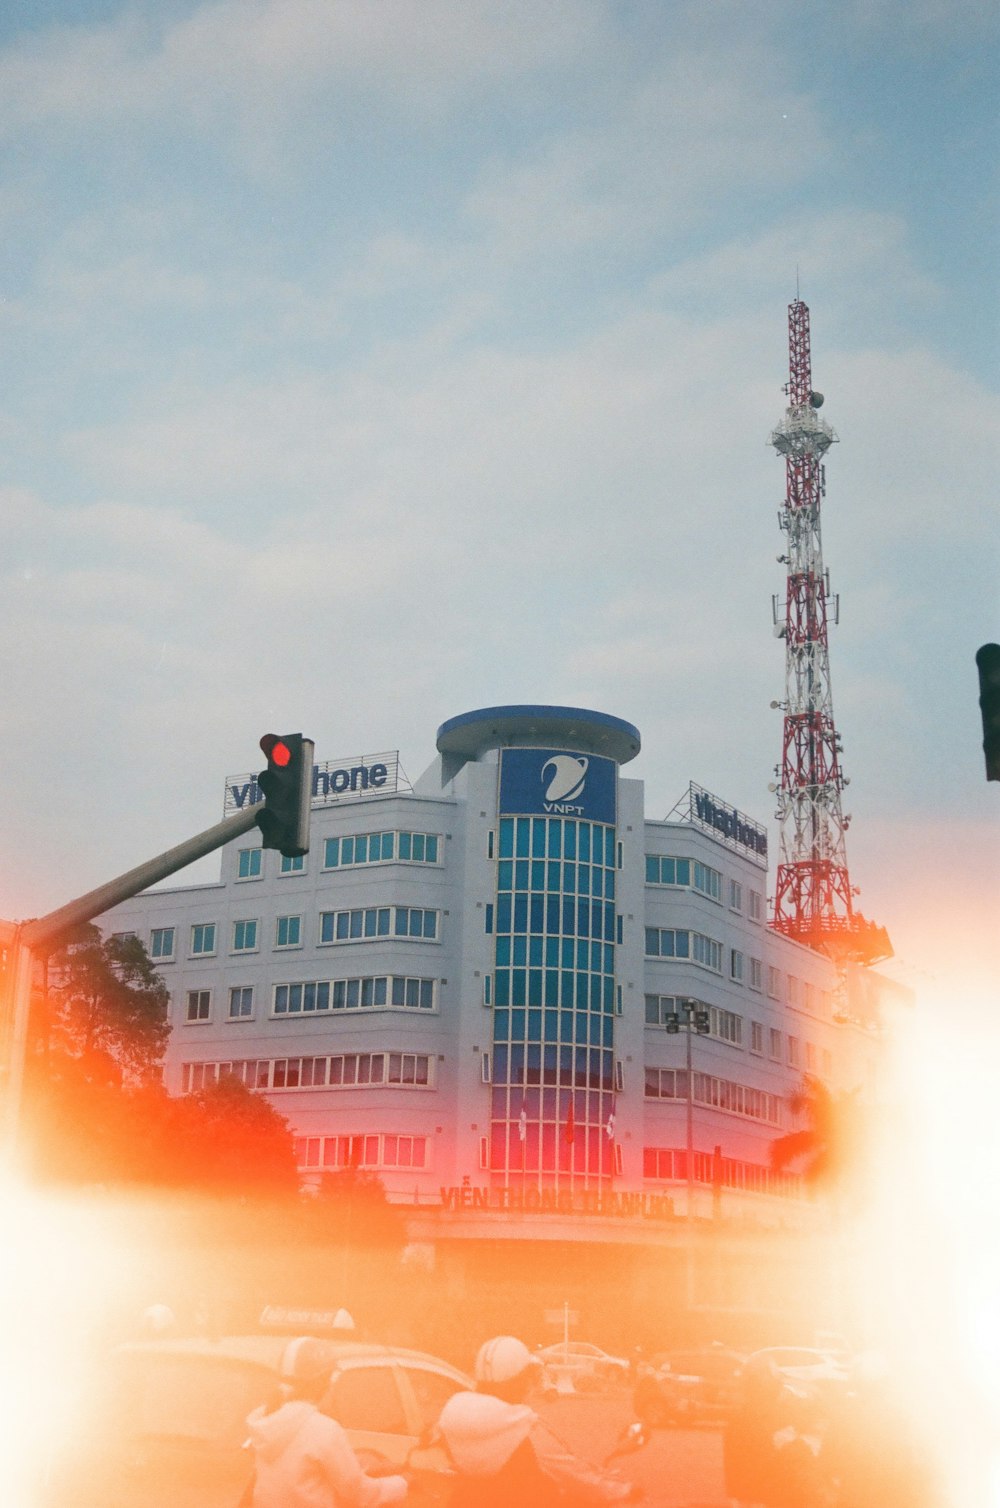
(557, 838)
(672, 1011)
(670, 1164)
(546, 1148)
(384, 1149)
(678, 942)
(347, 1070)
(334, 927)
(553, 988)
(552, 876)
(727, 1026)
(720, 1094)
(691, 874)
(354, 849)
(555, 915)
(367, 992)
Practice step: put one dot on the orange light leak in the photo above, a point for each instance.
(925, 1274)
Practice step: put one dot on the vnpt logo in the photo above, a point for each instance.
(566, 776)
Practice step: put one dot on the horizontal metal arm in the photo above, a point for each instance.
(40, 933)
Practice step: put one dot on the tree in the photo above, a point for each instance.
(227, 1140)
(355, 1202)
(830, 1146)
(105, 1007)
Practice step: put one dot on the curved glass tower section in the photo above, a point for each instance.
(555, 936)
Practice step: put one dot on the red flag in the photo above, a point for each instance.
(568, 1128)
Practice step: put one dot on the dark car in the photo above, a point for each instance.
(688, 1387)
(166, 1427)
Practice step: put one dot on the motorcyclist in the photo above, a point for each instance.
(303, 1458)
(501, 1453)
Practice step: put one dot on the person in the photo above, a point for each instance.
(302, 1457)
(771, 1441)
(872, 1453)
(500, 1454)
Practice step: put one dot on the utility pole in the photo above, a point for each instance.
(690, 1016)
(285, 825)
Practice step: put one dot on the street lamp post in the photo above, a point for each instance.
(690, 1016)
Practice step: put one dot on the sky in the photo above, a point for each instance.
(365, 362)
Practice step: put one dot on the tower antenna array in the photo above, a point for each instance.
(813, 899)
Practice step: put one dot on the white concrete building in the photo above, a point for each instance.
(490, 988)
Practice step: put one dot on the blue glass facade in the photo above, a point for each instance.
(554, 1001)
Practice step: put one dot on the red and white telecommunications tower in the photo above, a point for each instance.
(813, 899)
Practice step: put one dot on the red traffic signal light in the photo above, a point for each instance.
(287, 787)
(276, 750)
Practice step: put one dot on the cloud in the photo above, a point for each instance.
(251, 60)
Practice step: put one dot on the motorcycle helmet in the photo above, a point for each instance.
(502, 1359)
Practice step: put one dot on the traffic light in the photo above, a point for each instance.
(287, 786)
(702, 1022)
(988, 661)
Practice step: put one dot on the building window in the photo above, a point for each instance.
(810, 1057)
(755, 905)
(288, 932)
(793, 1052)
(381, 848)
(353, 1070)
(361, 1151)
(202, 939)
(245, 936)
(199, 1005)
(378, 921)
(736, 965)
(241, 1002)
(756, 974)
(662, 869)
(413, 921)
(161, 943)
(671, 942)
(366, 992)
(668, 1164)
(773, 982)
(735, 895)
(293, 865)
(756, 1038)
(726, 1025)
(249, 863)
(774, 1043)
(708, 1089)
(794, 990)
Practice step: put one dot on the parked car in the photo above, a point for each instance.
(806, 1365)
(167, 1426)
(688, 1387)
(581, 1365)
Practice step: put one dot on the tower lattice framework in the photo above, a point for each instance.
(813, 899)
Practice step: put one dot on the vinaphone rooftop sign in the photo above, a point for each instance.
(337, 780)
(737, 831)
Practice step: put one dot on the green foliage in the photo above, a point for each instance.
(829, 1149)
(95, 1109)
(106, 1007)
(353, 1203)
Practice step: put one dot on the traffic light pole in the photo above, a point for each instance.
(23, 940)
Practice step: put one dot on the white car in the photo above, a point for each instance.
(581, 1364)
(804, 1365)
(168, 1422)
